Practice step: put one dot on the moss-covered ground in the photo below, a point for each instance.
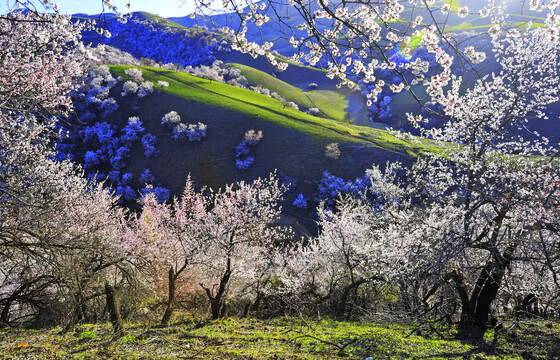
(285, 338)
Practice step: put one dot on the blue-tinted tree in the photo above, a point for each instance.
(161, 193)
(149, 144)
(91, 160)
(146, 177)
(300, 202)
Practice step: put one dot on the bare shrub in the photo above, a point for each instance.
(332, 151)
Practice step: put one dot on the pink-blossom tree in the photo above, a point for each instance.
(218, 239)
(41, 59)
(60, 233)
(168, 238)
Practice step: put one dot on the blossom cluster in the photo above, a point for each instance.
(251, 139)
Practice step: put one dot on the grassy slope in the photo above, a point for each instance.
(256, 105)
(332, 104)
(475, 24)
(455, 4)
(468, 26)
(143, 15)
(284, 338)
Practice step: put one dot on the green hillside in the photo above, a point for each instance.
(515, 21)
(143, 15)
(331, 104)
(294, 143)
(268, 109)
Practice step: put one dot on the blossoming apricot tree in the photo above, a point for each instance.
(59, 233)
(487, 206)
(221, 239)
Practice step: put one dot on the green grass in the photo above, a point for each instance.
(283, 338)
(332, 104)
(143, 15)
(163, 22)
(474, 23)
(251, 104)
(286, 59)
(455, 4)
(468, 26)
(90, 335)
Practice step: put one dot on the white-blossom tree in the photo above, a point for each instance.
(240, 231)
(490, 204)
(59, 234)
(171, 119)
(353, 266)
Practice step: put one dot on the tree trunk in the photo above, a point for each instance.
(112, 294)
(344, 299)
(216, 302)
(458, 278)
(484, 293)
(5, 316)
(257, 302)
(526, 305)
(79, 310)
(487, 286)
(171, 298)
(475, 309)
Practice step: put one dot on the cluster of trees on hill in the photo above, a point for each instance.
(460, 234)
(103, 146)
(144, 38)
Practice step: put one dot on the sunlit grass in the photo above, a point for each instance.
(332, 104)
(263, 107)
(282, 338)
(469, 26)
(143, 15)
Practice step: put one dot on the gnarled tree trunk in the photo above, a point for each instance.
(112, 294)
(171, 298)
(475, 309)
(217, 301)
(341, 308)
